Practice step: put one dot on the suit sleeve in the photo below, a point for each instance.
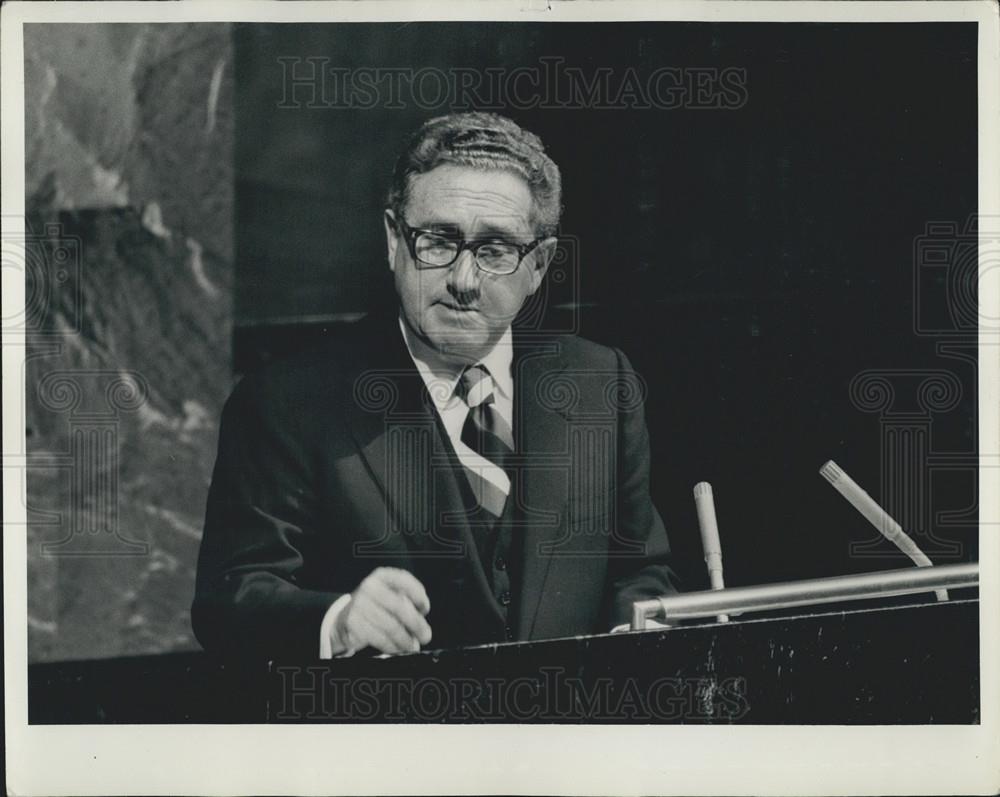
(639, 554)
(260, 534)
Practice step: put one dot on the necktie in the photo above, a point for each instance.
(487, 439)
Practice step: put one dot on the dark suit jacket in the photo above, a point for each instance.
(334, 463)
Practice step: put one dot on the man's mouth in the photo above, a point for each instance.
(458, 308)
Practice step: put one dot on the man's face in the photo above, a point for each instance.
(460, 310)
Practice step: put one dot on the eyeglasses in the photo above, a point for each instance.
(432, 249)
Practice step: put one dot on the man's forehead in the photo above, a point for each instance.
(470, 198)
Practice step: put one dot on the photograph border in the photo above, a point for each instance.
(229, 759)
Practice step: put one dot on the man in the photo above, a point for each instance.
(440, 477)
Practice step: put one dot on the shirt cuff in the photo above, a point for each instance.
(330, 644)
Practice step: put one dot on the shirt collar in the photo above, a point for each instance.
(441, 376)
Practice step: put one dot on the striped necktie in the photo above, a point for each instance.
(486, 439)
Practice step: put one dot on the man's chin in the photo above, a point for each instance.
(463, 345)
(464, 335)
(466, 342)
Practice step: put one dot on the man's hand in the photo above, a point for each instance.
(386, 612)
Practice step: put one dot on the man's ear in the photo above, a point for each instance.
(543, 255)
(391, 237)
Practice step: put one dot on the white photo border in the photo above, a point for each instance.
(227, 759)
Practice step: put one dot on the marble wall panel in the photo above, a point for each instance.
(129, 132)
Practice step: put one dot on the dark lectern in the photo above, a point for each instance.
(902, 664)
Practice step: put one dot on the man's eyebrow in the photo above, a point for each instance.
(439, 226)
(487, 230)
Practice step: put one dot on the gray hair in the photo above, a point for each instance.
(485, 141)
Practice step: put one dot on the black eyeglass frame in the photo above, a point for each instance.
(410, 235)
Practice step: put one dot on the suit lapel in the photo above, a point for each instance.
(541, 434)
(396, 429)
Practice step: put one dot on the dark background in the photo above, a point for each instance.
(750, 261)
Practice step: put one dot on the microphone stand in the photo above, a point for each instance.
(721, 602)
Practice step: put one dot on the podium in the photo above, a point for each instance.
(906, 664)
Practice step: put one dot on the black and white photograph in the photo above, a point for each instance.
(538, 397)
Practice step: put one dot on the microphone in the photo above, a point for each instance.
(709, 527)
(877, 516)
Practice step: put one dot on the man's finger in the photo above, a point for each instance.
(404, 581)
(364, 624)
(367, 634)
(389, 625)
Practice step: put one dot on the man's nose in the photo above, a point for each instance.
(463, 276)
